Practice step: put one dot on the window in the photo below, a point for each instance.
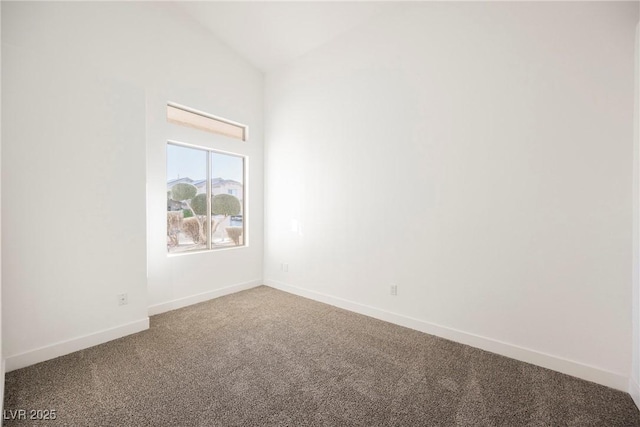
(185, 116)
(205, 199)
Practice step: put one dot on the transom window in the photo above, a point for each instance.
(185, 116)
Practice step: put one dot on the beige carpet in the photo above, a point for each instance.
(264, 357)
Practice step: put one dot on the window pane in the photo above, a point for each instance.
(227, 203)
(186, 199)
(202, 121)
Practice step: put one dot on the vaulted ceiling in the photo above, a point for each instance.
(269, 34)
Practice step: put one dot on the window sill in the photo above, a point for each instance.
(204, 251)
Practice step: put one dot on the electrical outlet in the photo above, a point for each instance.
(285, 267)
(123, 299)
(394, 290)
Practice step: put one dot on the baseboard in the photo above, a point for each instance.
(634, 391)
(2, 371)
(204, 296)
(559, 364)
(61, 348)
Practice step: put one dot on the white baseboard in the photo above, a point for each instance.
(2, 371)
(75, 344)
(634, 391)
(204, 296)
(559, 364)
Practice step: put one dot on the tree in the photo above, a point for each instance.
(221, 204)
(199, 206)
(186, 193)
(182, 192)
(226, 205)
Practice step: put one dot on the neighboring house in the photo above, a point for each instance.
(173, 182)
(218, 186)
(221, 186)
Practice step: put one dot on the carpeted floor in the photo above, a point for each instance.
(264, 357)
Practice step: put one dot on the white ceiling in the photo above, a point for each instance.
(269, 34)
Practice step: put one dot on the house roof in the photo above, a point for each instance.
(215, 182)
(175, 181)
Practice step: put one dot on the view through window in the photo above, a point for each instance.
(205, 199)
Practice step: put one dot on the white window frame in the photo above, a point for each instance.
(187, 116)
(243, 204)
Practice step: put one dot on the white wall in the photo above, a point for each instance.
(85, 84)
(634, 381)
(2, 363)
(479, 157)
(182, 279)
(227, 87)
